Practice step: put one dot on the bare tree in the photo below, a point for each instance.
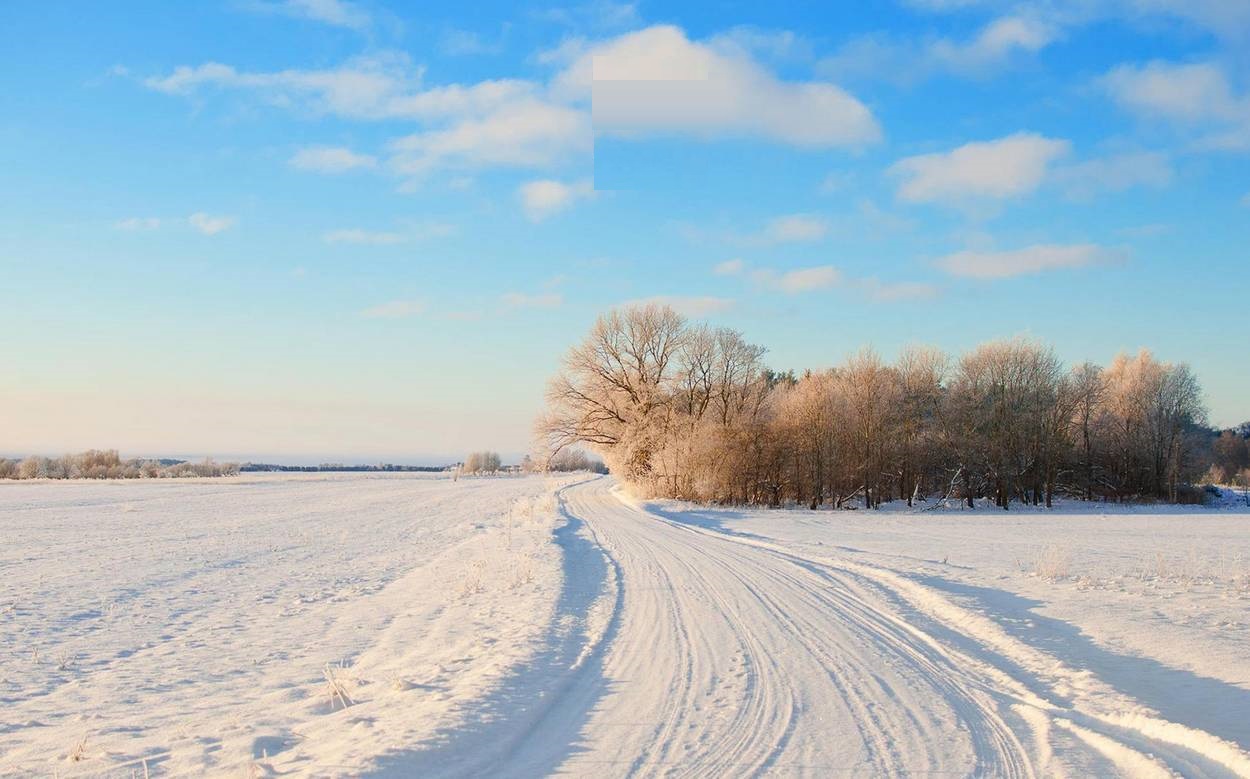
(691, 411)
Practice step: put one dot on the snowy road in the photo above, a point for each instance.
(729, 655)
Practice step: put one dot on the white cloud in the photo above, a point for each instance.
(412, 231)
(835, 181)
(422, 230)
(988, 53)
(808, 279)
(1020, 262)
(504, 122)
(594, 14)
(800, 280)
(331, 159)
(1228, 19)
(1197, 92)
(137, 223)
(211, 225)
(372, 87)
(717, 90)
(530, 133)
(1003, 168)
(1245, 200)
(1199, 95)
(825, 277)
(395, 309)
(367, 237)
(338, 13)
(546, 197)
(463, 43)
(788, 228)
(1114, 173)
(540, 300)
(774, 45)
(898, 291)
(689, 305)
(795, 228)
(994, 44)
(379, 86)
(657, 82)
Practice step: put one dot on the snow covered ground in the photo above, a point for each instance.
(190, 623)
(414, 626)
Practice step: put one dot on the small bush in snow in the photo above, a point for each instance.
(1052, 563)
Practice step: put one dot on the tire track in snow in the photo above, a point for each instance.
(739, 657)
(1114, 726)
(728, 662)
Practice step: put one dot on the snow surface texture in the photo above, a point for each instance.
(196, 625)
(415, 626)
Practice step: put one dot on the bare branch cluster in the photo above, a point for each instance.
(684, 410)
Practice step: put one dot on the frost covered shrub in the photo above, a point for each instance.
(482, 462)
(575, 460)
(107, 464)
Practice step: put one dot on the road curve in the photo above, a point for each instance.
(729, 656)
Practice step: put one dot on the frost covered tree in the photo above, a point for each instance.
(688, 411)
(482, 462)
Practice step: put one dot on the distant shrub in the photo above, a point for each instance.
(575, 460)
(482, 462)
(108, 464)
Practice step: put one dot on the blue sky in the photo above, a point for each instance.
(320, 229)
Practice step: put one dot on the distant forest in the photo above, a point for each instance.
(339, 467)
(688, 411)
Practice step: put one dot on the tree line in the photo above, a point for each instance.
(108, 464)
(684, 410)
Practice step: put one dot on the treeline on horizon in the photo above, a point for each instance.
(341, 468)
(108, 464)
(688, 411)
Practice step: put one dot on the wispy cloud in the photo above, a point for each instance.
(689, 305)
(790, 282)
(1229, 19)
(546, 197)
(466, 43)
(331, 159)
(788, 228)
(369, 237)
(793, 282)
(495, 122)
(795, 228)
(514, 300)
(395, 309)
(897, 291)
(337, 13)
(800, 280)
(211, 225)
(989, 170)
(988, 53)
(1114, 173)
(137, 223)
(1021, 262)
(1196, 95)
(411, 231)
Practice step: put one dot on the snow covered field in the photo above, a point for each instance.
(191, 622)
(414, 626)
